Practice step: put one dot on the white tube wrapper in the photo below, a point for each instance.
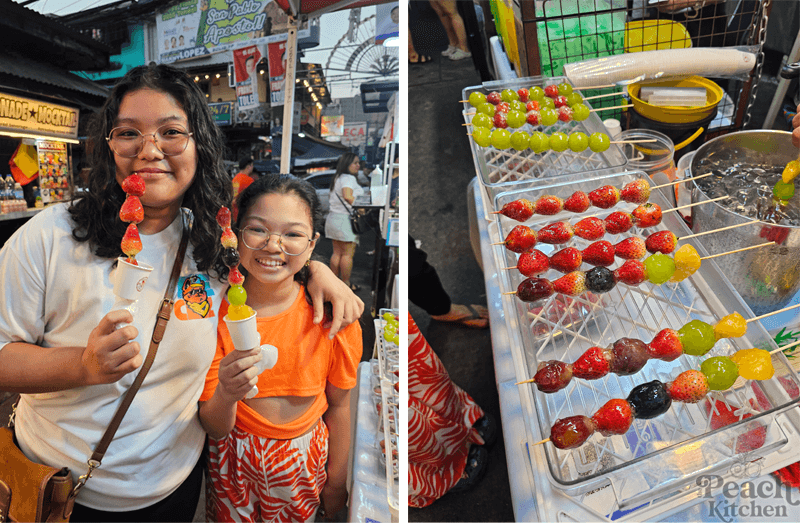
(244, 334)
(706, 62)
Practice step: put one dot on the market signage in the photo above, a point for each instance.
(245, 61)
(332, 125)
(222, 111)
(354, 134)
(34, 117)
(200, 27)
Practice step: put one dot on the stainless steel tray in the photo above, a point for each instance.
(656, 457)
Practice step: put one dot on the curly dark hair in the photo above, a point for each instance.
(96, 211)
(343, 166)
(283, 184)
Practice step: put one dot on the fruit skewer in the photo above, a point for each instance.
(540, 142)
(605, 197)
(628, 356)
(658, 268)
(132, 213)
(237, 295)
(652, 399)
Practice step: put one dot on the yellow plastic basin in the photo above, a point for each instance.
(675, 114)
(653, 35)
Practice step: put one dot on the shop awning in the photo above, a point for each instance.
(46, 74)
(308, 149)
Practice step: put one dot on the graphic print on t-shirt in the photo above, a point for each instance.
(195, 302)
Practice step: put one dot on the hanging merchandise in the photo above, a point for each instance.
(23, 164)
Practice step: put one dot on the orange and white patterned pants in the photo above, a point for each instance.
(260, 479)
(440, 419)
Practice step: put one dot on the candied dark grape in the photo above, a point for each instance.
(628, 356)
(552, 375)
(571, 432)
(532, 289)
(649, 400)
(230, 257)
(600, 279)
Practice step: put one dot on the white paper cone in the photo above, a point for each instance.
(129, 279)
(243, 332)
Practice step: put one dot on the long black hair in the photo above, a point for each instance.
(96, 211)
(342, 167)
(283, 184)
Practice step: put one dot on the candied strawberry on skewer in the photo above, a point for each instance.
(578, 202)
(520, 210)
(605, 197)
(131, 243)
(521, 239)
(132, 213)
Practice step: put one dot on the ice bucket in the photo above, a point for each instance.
(769, 277)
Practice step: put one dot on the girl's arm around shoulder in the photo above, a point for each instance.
(324, 286)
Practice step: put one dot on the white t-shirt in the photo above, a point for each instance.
(56, 292)
(344, 180)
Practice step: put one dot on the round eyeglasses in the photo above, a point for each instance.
(128, 142)
(293, 243)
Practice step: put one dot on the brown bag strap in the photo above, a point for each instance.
(158, 334)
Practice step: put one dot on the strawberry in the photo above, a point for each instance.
(555, 233)
(723, 415)
(552, 375)
(571, 284)
(499, 120)
(524, 94)
(229, 239)
(560, 101)
(633, 248)
(549, 205)
(632, 272)
(532, 116)
(647, 215)
(590, 228)
(534, 289)
(566, 260)
(551, 91)
(578, 202)
(661, 241)
(533, 263)
(132, 210)
(131, 243)
(666, 346)
(235, 277)
(503, 107)
(618, 222)
(520, 239)
(133, 185)
(493, 98)
(519, 210)
(565, 114)
(593, 364)
(605, 197)
(637, 191)
(615, 417)
(689, 387)
(532, 105)
(224, 217)
(600, 253)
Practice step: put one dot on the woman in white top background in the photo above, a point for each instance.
(344, 191)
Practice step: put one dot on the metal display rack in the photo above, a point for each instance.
(654, 467)
(388, 355)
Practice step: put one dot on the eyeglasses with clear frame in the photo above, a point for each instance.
(293, 243)
(128, 142)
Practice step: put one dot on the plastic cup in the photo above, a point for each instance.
(129, 279)
(244, 334)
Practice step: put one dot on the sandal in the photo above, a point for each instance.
(487, 428)
(421, 59)
(477, 460)
(477, 319)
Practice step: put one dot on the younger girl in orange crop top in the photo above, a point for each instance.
(284, 453)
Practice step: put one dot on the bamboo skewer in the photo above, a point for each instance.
(624, 106)
(717, 230)
(681, 181)
(773, 313)
(738, 250)
(621, 93)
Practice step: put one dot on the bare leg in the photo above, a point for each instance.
(452, 22)
(412, 53)
(336, 257)
(346, 261)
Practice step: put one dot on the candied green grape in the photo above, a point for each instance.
(578, 141)
(659, 269)
(487, 108)
(536, 93)
(501, 139)
(482, 136)
(548, 116)
(697, 337)
(574, 98)
(547, 102)
(720, 372)
(515, 119)
(564, 89)
(783, 190)
(516, 105)
(482, 120)
(539, 142)
(388, 316)
(476, 98)
(580, 112)
(559, 142)
(520, 140)
(509, 95)
(237, 295)
(599, 142)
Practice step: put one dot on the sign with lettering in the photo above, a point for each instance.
(35, 117)
(354, 134)
(222, 112)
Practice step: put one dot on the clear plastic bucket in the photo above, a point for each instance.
(652, 152)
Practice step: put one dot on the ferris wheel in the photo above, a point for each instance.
(356, 56)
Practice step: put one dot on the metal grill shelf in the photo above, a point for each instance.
(389, 374)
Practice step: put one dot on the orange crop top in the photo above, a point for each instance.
(307, 360)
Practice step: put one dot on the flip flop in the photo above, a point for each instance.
(487, 428)
(474, 320)
(477, 460)
(421, 59)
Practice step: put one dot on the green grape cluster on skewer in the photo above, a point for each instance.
(539, 142)
(391, 328)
